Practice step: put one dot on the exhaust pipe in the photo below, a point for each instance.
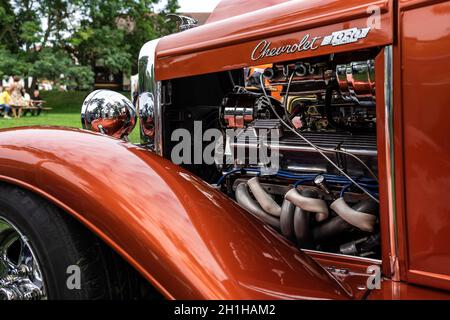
(286, 219)
(331, 229)
(355, 216)
(264, 199)
(317, 206)
(337, 226)
(302, 221)
(245, 200)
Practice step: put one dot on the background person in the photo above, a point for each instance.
(36, 101)
(5, 99)
(26, 98)
(26, 101)
(16, 97)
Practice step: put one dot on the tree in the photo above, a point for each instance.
(167, 26)
(33, 32)
(115, 30)
(58, 66)
(50, 38)
(8, 36)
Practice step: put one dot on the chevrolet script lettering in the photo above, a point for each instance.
(264, 49)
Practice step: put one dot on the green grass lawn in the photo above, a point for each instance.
(66, 112)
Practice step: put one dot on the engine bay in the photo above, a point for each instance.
(317, 180)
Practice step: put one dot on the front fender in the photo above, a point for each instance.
(188, 239)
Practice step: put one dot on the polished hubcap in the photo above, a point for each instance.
(20, 274)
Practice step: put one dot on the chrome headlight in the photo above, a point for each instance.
(150, 107)
(108, 112)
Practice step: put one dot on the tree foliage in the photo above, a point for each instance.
(62, 40)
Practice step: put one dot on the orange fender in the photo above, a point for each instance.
(185, 237)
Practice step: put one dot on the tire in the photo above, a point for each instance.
(58, 242)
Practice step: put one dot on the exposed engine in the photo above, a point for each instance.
(318, 117)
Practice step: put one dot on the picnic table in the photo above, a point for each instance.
(35, 105)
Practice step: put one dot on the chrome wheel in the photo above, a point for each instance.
(20, 275)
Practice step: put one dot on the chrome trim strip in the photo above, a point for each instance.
(338, 255)
(149, 87)
(281, 147)
(390, 162)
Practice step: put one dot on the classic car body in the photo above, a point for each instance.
(188, 237)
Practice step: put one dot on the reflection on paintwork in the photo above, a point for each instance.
(426, 84)
(161, 218)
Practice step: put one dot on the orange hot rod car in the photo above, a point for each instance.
(341, 101)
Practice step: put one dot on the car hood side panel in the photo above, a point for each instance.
(228, 44)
